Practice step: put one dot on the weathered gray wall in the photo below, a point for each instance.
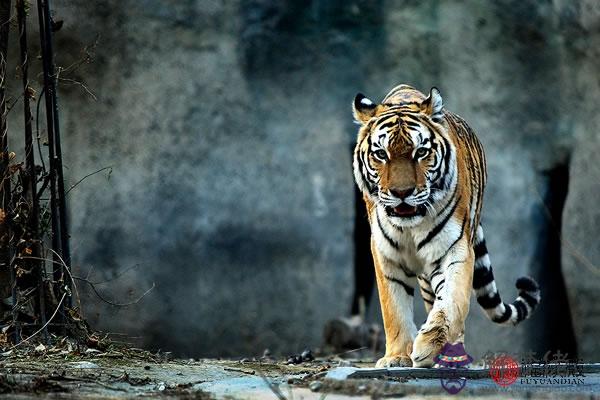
(580, 22)
(228, 127)
(228, 190)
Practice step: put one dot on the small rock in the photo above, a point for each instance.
(294, 359)
(315, 386)
(161, 386)
(146, 367)
(40, 347)
(307, 355)
(83, 365)
(344, 363)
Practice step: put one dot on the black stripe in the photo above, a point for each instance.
(370, 186)
(482, 276)
(450, 201)
(447, 156)
(412, 117)
(475, 171)
(431, 132)
(427, 291)
(364, 170)
(427, 301)
(411, 124)
(386, 124)
(436, 271)
(361, 169)
(521, 310)
(364, 161)
(445, 164)
(438, 286)
(437, 167)
(489, 302)
(393, 243)
(462, 230)
(388, 113)
(455, 262)
(438, 227)
(527, 284)
(529, 299)
(406, 271)
(409, 290)
(505, 316)
(449, 177)
(481, 174)
(403, 104)
(480, 249)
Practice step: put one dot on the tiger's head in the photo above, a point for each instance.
(403, 157)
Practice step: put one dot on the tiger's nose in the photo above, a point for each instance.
(402, 193)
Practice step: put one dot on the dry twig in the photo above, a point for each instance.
(44, 326)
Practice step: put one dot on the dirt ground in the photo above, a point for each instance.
(63, 373)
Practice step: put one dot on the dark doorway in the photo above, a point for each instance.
(554, 308)
(364, 270)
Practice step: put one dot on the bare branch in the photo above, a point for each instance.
(117, 276)
(44, 326)
(88, 175)
(78, 83)
(91, 284)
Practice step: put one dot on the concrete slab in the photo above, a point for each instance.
(133, 376)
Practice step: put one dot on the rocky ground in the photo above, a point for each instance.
(64, 373)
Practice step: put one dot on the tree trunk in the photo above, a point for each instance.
(5, 281)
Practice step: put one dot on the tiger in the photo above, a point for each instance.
(422, 172)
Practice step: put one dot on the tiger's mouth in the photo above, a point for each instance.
(405, 211)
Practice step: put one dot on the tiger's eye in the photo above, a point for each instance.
(421, 152)
(381, 154)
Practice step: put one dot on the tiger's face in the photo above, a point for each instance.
(400, 154)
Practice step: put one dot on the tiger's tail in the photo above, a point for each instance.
(487, 293)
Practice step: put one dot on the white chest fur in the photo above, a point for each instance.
(410, 246)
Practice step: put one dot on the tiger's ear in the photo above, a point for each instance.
(433, 105)
(363, 108)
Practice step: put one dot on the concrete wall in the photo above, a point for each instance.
(228, 127)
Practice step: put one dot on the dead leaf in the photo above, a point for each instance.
(30, 92)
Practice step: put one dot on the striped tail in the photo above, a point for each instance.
(487, 293)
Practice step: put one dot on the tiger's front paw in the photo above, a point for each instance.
(393, 361)
(429, 341)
